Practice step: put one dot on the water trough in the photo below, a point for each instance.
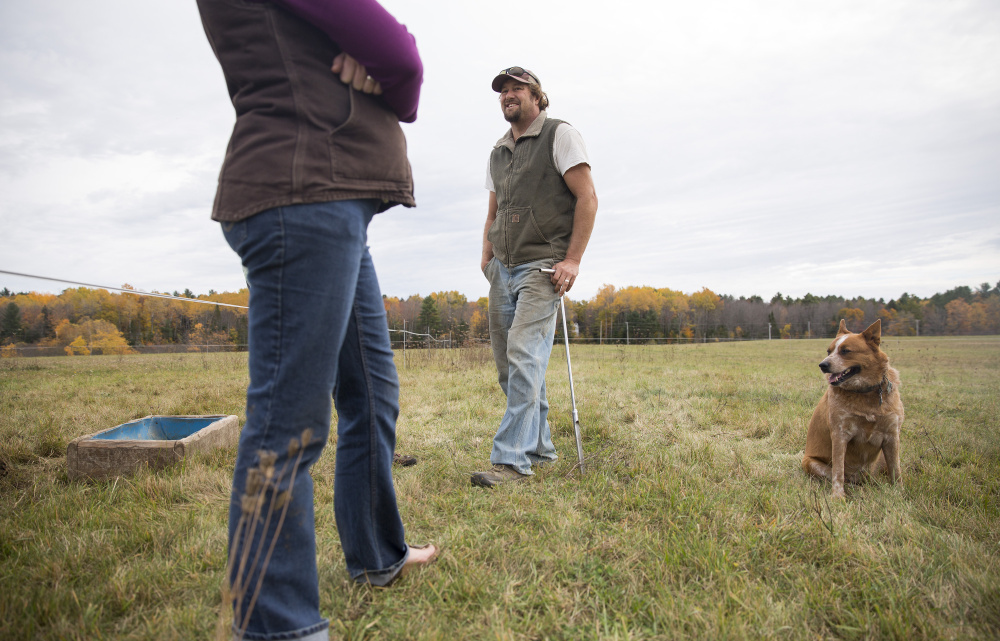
(156, 441)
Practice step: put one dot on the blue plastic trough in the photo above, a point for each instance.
(154, 441)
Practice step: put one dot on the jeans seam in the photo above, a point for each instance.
(372, 427)
(281, 326)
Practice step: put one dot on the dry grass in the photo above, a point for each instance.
(694, 519)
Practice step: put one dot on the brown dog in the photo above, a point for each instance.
(854, 431)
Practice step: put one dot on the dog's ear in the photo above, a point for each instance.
(843, 328)
(874, 333)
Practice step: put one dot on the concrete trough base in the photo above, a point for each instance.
(156, 441)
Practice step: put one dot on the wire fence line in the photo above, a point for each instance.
(428, 342)
(426, 337)
(135, 292)
(30, 351)
(634, 334)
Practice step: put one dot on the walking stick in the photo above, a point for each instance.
(569, 368)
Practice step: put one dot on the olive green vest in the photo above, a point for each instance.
(534, 206)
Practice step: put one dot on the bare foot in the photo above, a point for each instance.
(419, 555)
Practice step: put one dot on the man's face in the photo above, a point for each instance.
(517, 103)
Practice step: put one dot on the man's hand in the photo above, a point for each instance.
(354, 74)
(565, 275)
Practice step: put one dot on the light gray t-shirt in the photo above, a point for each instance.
(568, 151)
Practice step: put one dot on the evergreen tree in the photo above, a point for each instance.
(239, 335)
(45, 328)
(430, 318)
(10, 323)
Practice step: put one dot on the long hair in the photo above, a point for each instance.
(543, 99)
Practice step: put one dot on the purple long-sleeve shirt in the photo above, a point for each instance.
(370, 35)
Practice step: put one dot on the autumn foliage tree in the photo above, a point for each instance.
(115, 323)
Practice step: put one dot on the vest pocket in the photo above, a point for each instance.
(368, 151)
(524, 238)
(496, 234)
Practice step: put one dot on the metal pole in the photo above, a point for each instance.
(572, 392)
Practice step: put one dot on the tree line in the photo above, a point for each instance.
(82, 321)
(639, 313)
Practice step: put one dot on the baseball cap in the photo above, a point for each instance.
(517, 73)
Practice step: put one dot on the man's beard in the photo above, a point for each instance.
(512, 116)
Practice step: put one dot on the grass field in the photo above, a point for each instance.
(693, 520)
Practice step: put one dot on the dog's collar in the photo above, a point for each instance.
(884, 383)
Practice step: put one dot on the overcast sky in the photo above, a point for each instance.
(848, 147)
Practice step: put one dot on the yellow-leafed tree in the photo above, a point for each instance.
(78, 347)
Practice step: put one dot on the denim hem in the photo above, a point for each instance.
(381, 578)
(527, 471)
(317, 632)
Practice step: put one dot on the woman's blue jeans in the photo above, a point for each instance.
(317, 331)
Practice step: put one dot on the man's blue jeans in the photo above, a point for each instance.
(317, 330)
(523, 306)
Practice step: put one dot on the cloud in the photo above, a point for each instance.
(749, 147)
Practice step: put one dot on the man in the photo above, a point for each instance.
(319, 88)
(541, 212)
